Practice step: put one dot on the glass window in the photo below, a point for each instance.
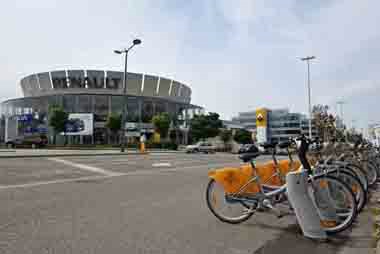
(68, 103)
(160, 107)
(117, 104)
(101, 104)
(40, 104)
(132, 110)
(84, 104)
(147, 111)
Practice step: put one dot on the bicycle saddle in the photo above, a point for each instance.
(246, 157)
(268, 145)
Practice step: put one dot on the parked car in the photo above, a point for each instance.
(30, 140)
(248, 148)
(203, 147)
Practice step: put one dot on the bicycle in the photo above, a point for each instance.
(243, 190)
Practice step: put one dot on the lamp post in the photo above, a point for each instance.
(341, 103)
(124, 110)
(307, 59)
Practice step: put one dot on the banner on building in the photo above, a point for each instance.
(79, 125)
(261, 125)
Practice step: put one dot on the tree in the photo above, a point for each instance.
(205, 126)
(57, 120)
(161, 124)
(243, 136)
(324, 122)
(225, 135)
(114, 123)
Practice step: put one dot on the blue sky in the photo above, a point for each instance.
(235, 55)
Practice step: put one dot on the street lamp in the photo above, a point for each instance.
(123, 116)
(341, 103)
(307, 59)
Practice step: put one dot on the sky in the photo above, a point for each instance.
(236, 55)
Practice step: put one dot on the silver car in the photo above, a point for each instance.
(200, 147)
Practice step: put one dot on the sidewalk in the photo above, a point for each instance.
(28, 153)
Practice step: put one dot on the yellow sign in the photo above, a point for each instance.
(261, 117)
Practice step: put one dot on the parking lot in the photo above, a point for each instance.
(152, 203)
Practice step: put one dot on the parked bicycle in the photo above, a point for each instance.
(243, 191)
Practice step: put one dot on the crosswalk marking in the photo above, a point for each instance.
(85, 167)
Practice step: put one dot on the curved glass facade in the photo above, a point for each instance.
(139, 109)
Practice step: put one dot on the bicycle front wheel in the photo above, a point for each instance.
(224, 208)
(335, 202)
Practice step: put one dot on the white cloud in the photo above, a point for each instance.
(235, 55)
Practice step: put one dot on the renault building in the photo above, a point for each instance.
(94, 94)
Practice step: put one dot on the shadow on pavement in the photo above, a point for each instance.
(291, 240)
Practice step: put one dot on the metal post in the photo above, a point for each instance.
(341, 111)
(124, 110)
(307, 59)
(309, 94)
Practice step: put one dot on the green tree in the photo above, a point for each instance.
(225, 135)
(243, 136)
(114, 124)
(161, 124)
(205, 126)
(324, 122)
(57, 120)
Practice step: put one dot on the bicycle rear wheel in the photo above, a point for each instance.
(360, 173)
(335, 202)
(355, 185)
(371, 173)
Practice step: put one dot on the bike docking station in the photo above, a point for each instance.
(307, 214)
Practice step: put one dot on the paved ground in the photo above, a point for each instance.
(138, 204)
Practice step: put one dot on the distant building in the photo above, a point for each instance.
(232, 125)
(274, 125)
(374, 134)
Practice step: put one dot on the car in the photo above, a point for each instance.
(248, 148)
(30, 140)
(203, 147)
(74, 125)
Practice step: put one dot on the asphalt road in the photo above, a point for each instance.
(138, 204)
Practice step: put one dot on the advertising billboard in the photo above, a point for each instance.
(132, 129)
(79, 125)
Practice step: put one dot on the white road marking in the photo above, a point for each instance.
(85, 167)
(34, 184)
(113, 174)
(162, 164)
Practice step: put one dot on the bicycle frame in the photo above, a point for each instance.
(262, 194)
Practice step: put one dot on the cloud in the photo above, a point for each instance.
(236, 55)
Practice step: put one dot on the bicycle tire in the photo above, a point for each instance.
(355, 184)
(217, 214)
(360, 173)
(353, 214)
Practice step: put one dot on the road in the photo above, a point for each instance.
(138, 204)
